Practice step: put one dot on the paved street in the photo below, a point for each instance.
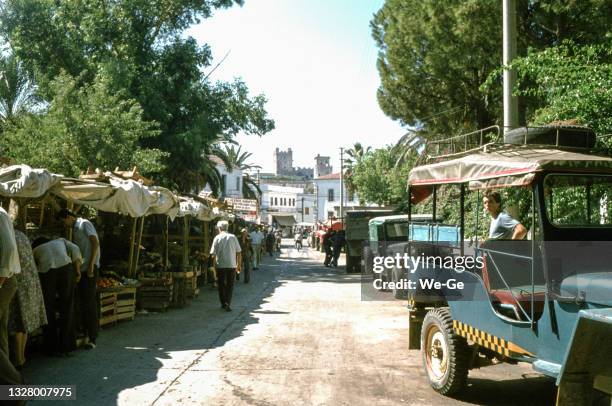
(298, 334)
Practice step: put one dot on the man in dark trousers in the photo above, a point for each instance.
(227, 259)
(327, 247)
(338, 241)
(85, 237)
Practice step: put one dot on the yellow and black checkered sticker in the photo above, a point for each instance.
(484, 339)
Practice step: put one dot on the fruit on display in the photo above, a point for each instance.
(108, 283)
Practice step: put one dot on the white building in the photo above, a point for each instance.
(286, 206)
(232, 179)
(327, 190)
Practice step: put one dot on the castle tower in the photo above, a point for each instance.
(322, 166)
(284, 162)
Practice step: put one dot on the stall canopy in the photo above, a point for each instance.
(21, 181)
(502, 166)
(194, 208)
(284, 220)
(123, 196)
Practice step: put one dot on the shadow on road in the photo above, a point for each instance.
(532, 390)
(151, 352)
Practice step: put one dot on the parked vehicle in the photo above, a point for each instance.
(356, 226)
(388, 235)
(546, 300)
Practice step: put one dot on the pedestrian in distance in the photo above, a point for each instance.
(257, 238)
(227, 260)
(247, 254)
(298, 240)
(270, 241)
(86, 238)
(59, 267)
(327, 247)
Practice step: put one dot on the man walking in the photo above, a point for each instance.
(257, 238)
(227, 259)
(86, 238)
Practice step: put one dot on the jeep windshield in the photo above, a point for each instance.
(578, 200)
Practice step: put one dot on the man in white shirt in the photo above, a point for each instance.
(9, 266)
(59, 267)
(85, 236)
(227, 259)
(257, 238)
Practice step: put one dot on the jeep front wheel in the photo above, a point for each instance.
(445, 354)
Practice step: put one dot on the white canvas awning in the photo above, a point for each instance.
(21, 181)
(195, 209)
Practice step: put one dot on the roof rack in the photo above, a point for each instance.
(463, 143)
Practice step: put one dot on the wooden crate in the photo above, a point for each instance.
(126, 303)
(192, 286)
(107, 302)
(155, 294)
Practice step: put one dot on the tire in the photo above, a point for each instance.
(577, 137)
(445, 354)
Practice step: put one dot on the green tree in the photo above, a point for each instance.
(575, 83)
(434, 55)
(379, 180)
(141, 46)
(83, 126)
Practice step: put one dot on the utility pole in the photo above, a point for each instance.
(509, 51)
(302, 209)
(342, 186)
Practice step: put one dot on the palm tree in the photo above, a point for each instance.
(17, 91)
(356, 154)
(234, 157)
(410, 144)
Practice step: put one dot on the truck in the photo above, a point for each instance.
(546, 299)
(356, 229)
(388, 235)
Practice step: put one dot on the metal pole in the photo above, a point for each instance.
(342, 186)
(302, 209)
(509, 53)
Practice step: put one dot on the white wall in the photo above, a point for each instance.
(324, 206)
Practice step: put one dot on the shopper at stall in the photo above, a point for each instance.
(9, 267)
(28, 309)
(59, 267)
(257, 238)
(86, 237)
(227, 258)
(247, 254)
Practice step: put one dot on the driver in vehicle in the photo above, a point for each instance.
(503, 226)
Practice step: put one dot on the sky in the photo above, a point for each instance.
(315, 61)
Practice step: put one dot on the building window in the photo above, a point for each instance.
(330, 214)
(307, 210)
(351, 195)
(238, 183)
(276, 201)
(223, 185)
(330, 195)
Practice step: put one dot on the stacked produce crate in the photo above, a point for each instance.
(108, 307)
(156, 293)
(126, 303)
(192, 284)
